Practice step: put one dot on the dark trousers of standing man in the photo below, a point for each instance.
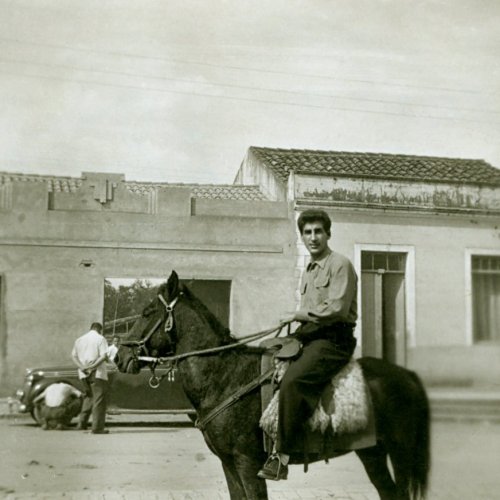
(323, 356)
(94, 402)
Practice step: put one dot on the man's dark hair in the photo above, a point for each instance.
(315, 215)
(97, 327)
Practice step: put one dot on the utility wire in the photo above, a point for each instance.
(238, 68)
(242, 87)
(242, 99)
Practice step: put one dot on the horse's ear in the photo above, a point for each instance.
(173, 285)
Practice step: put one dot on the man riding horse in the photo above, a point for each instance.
(328, 313)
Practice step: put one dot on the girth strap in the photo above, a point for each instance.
(256, 382)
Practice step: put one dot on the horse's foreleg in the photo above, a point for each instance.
(247, 468)
(234, 485)
(375, 462)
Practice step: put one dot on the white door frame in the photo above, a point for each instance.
(409, 285)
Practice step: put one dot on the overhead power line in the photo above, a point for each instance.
(241, 99)
(238, 68)
(243, 87)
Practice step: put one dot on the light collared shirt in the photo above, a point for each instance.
(87, 349)
(112, 351)
(57, 394)
(329, 291)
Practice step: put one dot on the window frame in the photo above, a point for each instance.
(469, 306)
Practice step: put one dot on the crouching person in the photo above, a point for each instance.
(58, 404)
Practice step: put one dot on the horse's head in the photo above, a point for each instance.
(154, 333)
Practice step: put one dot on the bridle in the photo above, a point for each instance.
(171, 361)
(139, 348)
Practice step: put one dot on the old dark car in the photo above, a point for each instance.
(128, 393)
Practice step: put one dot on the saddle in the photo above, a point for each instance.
(344, 419)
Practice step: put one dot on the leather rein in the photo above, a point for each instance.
(171, 361)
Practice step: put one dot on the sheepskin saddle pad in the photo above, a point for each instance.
(345, 404)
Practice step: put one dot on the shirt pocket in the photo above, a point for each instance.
(322, 280)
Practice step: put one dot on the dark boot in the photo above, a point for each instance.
(273, 469)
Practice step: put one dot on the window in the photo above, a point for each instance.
(383, 261)
(486, 297)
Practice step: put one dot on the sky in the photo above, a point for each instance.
(177, 91)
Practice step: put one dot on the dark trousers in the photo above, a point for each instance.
(94, 402)
(53, 416)
(303, 384)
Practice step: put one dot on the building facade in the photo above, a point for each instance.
(60, 238)
(424, 236)
(422, 232)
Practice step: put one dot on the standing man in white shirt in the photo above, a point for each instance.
(90, 354)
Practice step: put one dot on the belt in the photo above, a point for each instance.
(343, 325)
(340, 332)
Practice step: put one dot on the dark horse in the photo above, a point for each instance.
(399, 399)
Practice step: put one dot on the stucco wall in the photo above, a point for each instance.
(252, 172)
(50, 297)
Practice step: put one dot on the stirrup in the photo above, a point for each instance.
(273, 469)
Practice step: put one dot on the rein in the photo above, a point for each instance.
(201, 423)
(171, 361)
(238, 342)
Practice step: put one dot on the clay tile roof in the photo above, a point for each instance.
(229, 192)
(207, 191)
(377, 165)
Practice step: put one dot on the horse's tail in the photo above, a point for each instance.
(421, 462)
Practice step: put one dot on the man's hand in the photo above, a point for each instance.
(287, 318)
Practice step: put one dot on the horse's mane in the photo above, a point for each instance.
(223, 332)
(219, 329)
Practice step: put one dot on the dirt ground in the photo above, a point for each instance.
(165, 457)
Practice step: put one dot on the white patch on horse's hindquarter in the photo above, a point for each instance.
(350, 404)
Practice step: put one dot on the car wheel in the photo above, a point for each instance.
(36, 414)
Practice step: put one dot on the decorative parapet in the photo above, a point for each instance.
(100, 191)
(372, 193)
(104, 184)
